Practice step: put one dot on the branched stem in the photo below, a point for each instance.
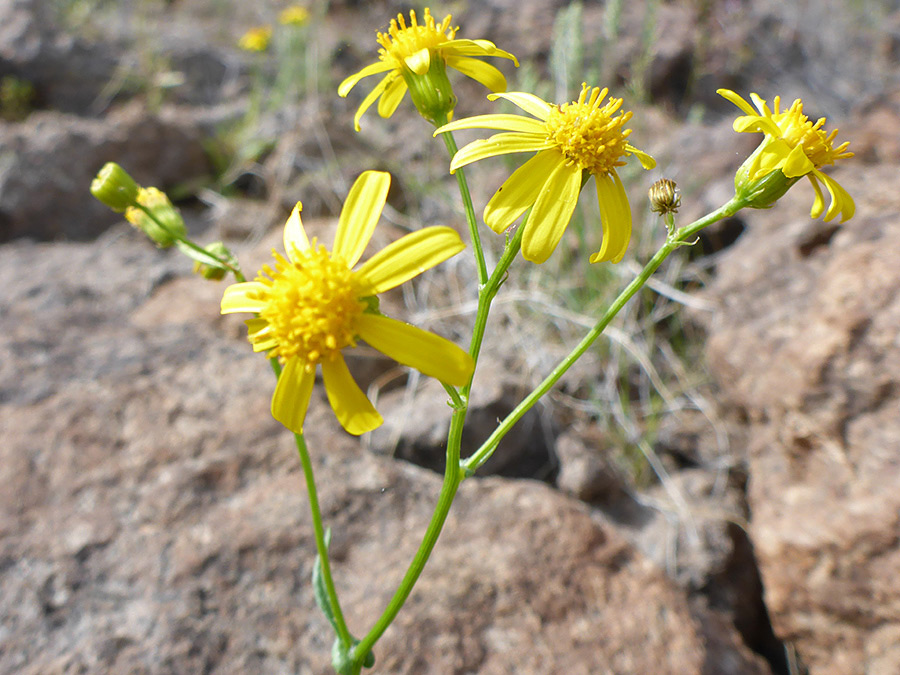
(238, 275)
(676, 239)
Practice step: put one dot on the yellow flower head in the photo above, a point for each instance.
(295, 15)
(585, 135)
(796, 147)
(256, 39)
(410, 53)
(313, 304)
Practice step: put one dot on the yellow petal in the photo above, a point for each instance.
(264, 345)
(409, 256)
(371, 97)
(646, 160)
(351, 407)
(259, 332)
(257, 327)
(797, 163)
(520, 190)
(527, 102)
(360, 214)
(551, 213)
(841, 201)
(501, 122)
(426, 352)
(372, 69)
(615, 214)
(391, 97)
(479, 71)
(419, 62)
(761, 104)
(295, 239)
(818, 206)
(292, 394)
(771, 157)
(748, 124)
(499, 144)
(475, 48)
(243, 297)
(737, 100)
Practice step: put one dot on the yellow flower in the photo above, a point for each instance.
(296, 15)
(256, 39)
(569, 139)
(796, 147)
(313, 304)
(409, 52)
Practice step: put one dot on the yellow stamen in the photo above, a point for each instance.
(402, 41)
(797, 129)
(589, 134)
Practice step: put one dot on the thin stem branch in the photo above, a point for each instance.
(238, 275)
(469, 208)
(679, 238)
(318, 528)
(452, 479)
(453, 476)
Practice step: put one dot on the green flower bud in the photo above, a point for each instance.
(114, 187)
(158, 218)
(763, 191)
(432, 93)
(210, 270)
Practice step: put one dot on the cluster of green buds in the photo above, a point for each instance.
(150, 210)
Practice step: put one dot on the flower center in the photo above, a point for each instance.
(402, 41)
(797, 129)
(311, 306)
(589, 134)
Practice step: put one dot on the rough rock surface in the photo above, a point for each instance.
(68, 74)
(154, 518)
(806, 348)
(50, 159)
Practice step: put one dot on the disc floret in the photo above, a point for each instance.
(311, 307)
(589, 133)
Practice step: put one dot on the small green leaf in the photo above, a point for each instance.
(200, 256)
(319, 589)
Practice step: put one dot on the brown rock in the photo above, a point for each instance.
(155, 521)
(44, 186)
(806, 346)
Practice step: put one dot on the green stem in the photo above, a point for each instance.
(319, 530)
(489, 291)
(453, 476)
(450, 142)
(238, 275)
(341, 625)
(679, 238)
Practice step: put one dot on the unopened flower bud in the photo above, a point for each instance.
(114, 187)
(664, 196)
(163, 224)
(210, 270)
